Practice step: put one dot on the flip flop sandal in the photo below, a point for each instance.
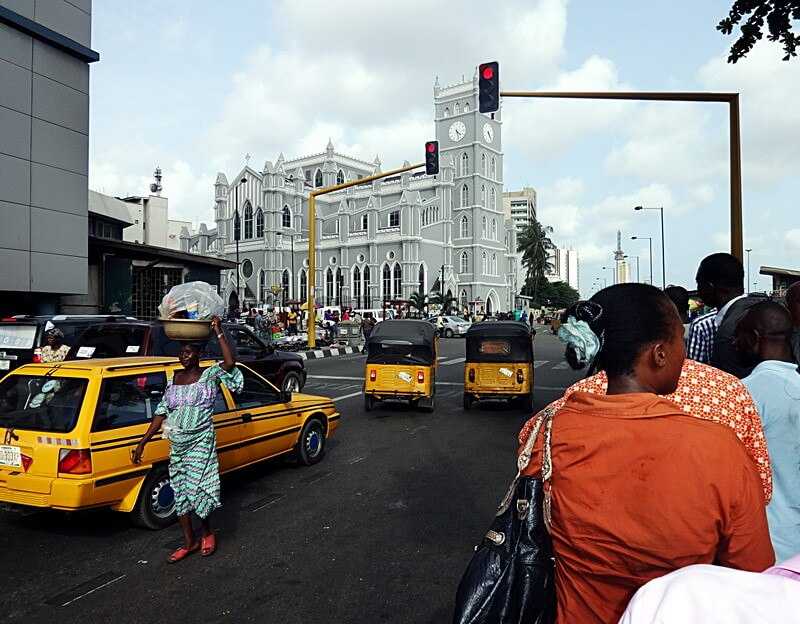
(182, 553)
(209, 545)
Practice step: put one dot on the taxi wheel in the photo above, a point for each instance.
(469, 400)
(448, 333)
(155, 508)
(369, 402)
(311, 445)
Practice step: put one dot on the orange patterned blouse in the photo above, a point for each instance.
(703, 392)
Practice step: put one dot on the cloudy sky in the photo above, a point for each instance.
(195, 85)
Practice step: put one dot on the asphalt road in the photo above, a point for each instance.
(379, 531)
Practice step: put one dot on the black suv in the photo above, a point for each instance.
(22, 337)
(285, 370)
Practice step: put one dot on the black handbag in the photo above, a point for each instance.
(511, 577)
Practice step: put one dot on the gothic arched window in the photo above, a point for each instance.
(248, 220)
(456, 109)
(464, 230)
(329, 287)
(493, 200)
(464, 262)
(303, 285)
(494, 264)
(262, 285)
(364, 222)
(446, 111)
(483, 195)
(340, 177)
(367, 299)
(464, 164)
(466, 107)
(286, 284)
(387, 283)
(318, 178)
(483, 227)
(484, 263)
(286, 217)
(339, 286)
(493, 171)
(494, 229)
(259, 223)
(357, 286)
(483, 164)
(421, 280)
(464, 196)
(398, 279)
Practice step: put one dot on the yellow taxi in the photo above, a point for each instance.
(67, 431)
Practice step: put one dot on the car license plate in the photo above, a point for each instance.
(10, 456)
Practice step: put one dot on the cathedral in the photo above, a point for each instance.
(380, 241)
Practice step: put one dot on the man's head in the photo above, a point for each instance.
(793, 303)
(680, 297)
(764, 333)
(720, 278)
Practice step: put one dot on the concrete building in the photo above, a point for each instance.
(381, 241)
(520, 207)
(622, 273)
(566, 267)
(44, 151)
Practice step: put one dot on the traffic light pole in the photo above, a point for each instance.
(312, 240)
(732, 99)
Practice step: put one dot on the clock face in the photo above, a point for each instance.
(488, 133)
(457, 131)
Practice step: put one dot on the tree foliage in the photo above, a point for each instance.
(558, 295)
(751, 15)
(418, 301)
(444, 300)
(535, 245)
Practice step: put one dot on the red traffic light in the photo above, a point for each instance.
(489, 87)
(432, 157)
(488, 73)
(431, 147)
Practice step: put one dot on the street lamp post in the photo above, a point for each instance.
(663, 251)
(637, 266)
(650, 245)
(748, 270)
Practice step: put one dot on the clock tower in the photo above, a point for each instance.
(472, 141)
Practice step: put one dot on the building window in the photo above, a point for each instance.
(494, 264)
(237, 226)
(483, 195)
(494, 229)
(259, 223)
(318, 178)
(329, 287)
(484, 264)
(247, 269)
(456, 109)
(493, 171)
(339, 286)
(364, 222)
(387, 282)
(466, 107)
(262, 285)
(398, 279)
(464, 262)
(367, 300)
(464, 196)
(464, 164)
(248, 221)
(286, 217)
(357, 286)
(493, 199)
(446, 111)
(464, 227)
(307, 174)
(421, 280)
(286, 285)
(483, 227)
(340, 177)
(394, 219)
(483, 164)
(303, 285)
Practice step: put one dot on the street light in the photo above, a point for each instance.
(650, 244)
(663, 251)
(748, 270)
(637, 267)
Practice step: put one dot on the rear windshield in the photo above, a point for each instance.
(40, 403)
(396, 352)
(109, 340)
(17, 336)
(495, 347)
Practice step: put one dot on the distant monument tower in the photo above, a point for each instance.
(622, 274)
(155, 187)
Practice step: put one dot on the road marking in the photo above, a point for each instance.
(539, 363)
(69, 596)
(348, 396)
(264, 502)
(456, 361)
(335, 377)
(561, 366)
(314, 478)
(356, 460)
(417, 429)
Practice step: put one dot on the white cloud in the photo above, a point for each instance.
(792, 238)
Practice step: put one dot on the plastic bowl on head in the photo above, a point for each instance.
(186, 329)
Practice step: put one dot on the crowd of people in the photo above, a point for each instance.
(676, 480)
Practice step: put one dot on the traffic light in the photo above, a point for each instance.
(432, 157)
(488, 87)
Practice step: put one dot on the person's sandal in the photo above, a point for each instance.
(181, 553)
(209, 545)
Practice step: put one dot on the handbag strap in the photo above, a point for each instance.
(545, 417)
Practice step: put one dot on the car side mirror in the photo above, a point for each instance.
(286, 396)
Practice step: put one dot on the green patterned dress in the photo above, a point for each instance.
(193, 463)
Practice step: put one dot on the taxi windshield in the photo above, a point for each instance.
(40, 403)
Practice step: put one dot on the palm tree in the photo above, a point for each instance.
(535, 245)
(419, 301)
(446, 301)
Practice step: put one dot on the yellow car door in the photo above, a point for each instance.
(271, 427)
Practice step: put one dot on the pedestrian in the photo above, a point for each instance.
(292, 321)
(764, 335)
(639, 488)
(55, 350)
(720, 283)
(186, 411)
(531, 319)
(793, 303)
(680, 297)
(258, 323)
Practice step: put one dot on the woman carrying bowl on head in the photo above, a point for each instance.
(186, 412)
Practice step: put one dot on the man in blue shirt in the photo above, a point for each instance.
(764, 337)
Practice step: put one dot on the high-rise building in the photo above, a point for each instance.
(621, 269)
(520, 207)
(566, 267)
(44, 151)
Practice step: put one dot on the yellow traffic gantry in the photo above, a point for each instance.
(312, 240)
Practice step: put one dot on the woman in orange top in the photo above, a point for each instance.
(640, 488)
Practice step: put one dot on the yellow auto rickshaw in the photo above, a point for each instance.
(401, 363)
(499, 363)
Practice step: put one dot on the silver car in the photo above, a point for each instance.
(452, 326)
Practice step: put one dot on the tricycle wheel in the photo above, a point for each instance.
(369, 402)
(468, 401)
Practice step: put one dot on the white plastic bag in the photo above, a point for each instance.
(192, 300)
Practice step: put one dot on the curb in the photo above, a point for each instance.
(318, 354)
